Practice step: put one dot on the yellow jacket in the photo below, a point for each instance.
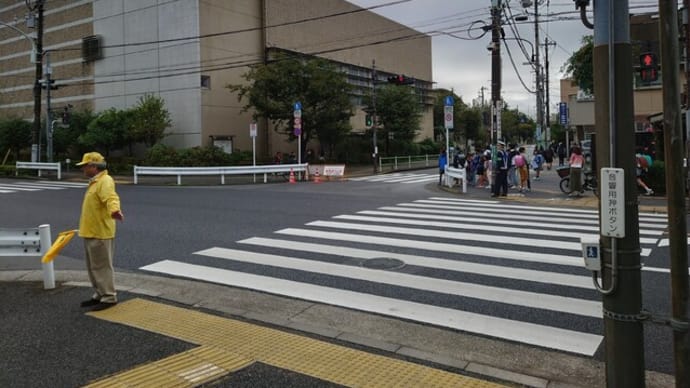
(100, 202)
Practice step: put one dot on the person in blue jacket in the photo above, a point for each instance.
(442, 162)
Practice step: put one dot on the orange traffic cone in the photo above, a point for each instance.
(317, 177)
(292, 176)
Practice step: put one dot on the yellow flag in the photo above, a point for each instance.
(60, 242)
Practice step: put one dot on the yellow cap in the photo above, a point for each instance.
(91, 157)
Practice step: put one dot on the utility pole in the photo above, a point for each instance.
(496, 71)
(49, 122)
(621, 266)
(36, 132)
(374, 124)
(546, 89)
(686, 24)
(675, 188)
(540, 90)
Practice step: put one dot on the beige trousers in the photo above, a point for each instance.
(99, 264)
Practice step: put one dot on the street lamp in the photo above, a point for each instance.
(34, 58)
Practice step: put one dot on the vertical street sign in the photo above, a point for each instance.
(297, 114)
(252, 133)
(612, 202)
(563, 113)
(448, 123)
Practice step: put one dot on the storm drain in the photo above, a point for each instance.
(383, 263)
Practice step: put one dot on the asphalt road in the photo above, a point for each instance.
(175, 222)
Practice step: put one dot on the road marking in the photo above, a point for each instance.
(479, 219)
(573, 261)
(476, 226)
(529, 333)
(536, 276)
(493, 294)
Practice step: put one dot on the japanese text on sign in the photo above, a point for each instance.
(612, 202)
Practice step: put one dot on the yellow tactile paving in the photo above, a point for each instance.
(320, 359)
(187, 369)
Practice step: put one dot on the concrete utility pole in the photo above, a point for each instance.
(675, 188)
(686, 24)
(621, 265)
(496, 105)
(546, 89)
(36, 132)
(375, 154)
(496, 70)
(540, 89)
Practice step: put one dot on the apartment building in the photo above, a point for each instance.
(108, 53)
(647, 96)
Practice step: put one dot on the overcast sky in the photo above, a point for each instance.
(462, 62)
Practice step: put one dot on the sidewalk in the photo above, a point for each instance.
(174, 330)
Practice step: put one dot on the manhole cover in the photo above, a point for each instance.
(383, 263)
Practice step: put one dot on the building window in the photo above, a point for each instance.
(206, 82)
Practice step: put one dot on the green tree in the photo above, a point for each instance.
(316, 83)
(65, 138)
(149, 120)
(15, 135)
(108, 131)
(399, 115)
(579, 66)
(516, 127)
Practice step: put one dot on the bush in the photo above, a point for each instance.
(165, 156)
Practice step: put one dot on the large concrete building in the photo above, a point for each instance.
(108, 53)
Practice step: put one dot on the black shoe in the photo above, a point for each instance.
(103, 306)
(494, 195)
(90, 302)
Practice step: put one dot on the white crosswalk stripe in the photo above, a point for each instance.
(481, 267)
(398, 178)
(7, 187)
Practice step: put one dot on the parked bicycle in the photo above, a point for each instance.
(590, 181)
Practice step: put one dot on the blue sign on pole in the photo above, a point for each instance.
(563, 113)
(448, 101)
(298, 105)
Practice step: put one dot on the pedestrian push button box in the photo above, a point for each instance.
(591, 253)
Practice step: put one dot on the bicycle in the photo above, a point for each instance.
(590, 183)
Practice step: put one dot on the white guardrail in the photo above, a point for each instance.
(220, 170)
(29, 242)
(38, 166)
(456, 173)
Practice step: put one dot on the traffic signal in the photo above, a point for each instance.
(400, 80)
(649, 71)
(66, 115)
(368, 121)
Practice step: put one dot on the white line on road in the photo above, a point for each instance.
(573, 261)
(515, 297)
(498, 271)
(529, 333)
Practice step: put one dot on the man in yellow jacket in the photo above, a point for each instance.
(100, 209)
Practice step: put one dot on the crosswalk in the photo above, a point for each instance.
(461, 264)
(398, 178)
(7, 187)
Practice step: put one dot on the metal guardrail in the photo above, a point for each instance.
(221, 170)
(394, 163)
(456, 173)
(29, 242)
(39, 166)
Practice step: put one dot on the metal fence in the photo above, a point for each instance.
(395, 163)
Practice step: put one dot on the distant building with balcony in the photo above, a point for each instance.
(108, 53)
(647, 96)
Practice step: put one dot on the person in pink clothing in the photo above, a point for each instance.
(577, 161)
